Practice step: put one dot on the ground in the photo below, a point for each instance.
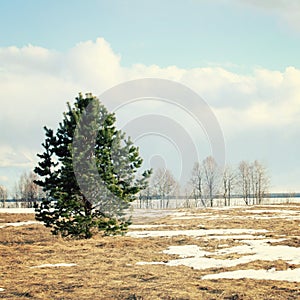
(176, 254)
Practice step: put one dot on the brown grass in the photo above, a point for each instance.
(106, 266)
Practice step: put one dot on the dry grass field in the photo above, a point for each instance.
(137, 267)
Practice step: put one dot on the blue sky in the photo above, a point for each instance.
(186, 34)
(241, 56)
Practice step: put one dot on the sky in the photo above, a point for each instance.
(240, 56)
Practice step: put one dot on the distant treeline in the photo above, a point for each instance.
(236, 196)
(158, 197)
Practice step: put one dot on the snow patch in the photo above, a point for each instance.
(236, 237)
(2, 290)
(225, 207)
(144, 226)
(289, 217)
(280, 205)
(150, 213)
(54, 265)
(17, 224)
(190, 217)
(194, 233)
(17, 210)
(186, 251)
(252, 250)
(143, 263)
(268, 211)
(287, 275)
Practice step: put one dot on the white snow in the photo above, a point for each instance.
(225, 207)
(150, 213)
(180, 213)
(268, 211)
(2, 290)
(190, 217)
(236, 237)
(186, 251)
(143, 263)
(17, 210)
(276, 214)
(54, 265)
(251, 247)
(144, 226)
(286, 217)
(262, 250)
(20, 224)
(195, 233)
(252, 250)
(280, 205)
(287, 275)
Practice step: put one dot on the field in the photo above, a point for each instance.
(236, 253)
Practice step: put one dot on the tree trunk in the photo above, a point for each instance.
(88, 212)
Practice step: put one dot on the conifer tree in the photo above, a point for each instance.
(89, 171)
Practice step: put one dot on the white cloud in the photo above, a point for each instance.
(37, 59)
(11, 157)
(35, 84)
(93, 65)
(272, 102)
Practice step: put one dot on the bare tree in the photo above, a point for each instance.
(253, 181)
(261, 181)
(245, 180)
(197, 184)
(211, 174)
(145, 197)
(164, 185)
(26, 190)
(229, 181)
(3, 195)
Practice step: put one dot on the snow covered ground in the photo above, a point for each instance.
(251, 248)
(19, 224)
(292, 275)
(146, 226)
(17, 210)
(194, 233)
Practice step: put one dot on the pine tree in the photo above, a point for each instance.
(89, 172)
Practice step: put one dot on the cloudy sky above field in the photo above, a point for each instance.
(241, 57)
